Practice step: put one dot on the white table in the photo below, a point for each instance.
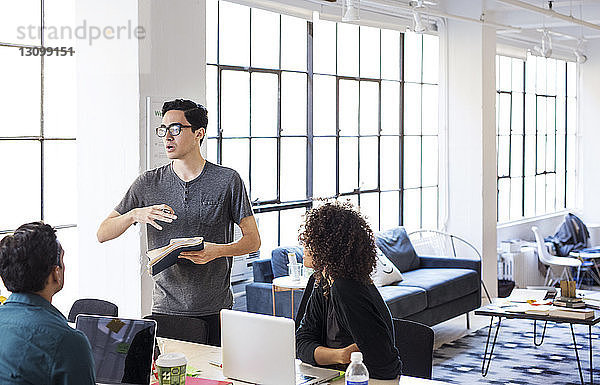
(199, 356)
(286, 283)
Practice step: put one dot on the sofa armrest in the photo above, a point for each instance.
(262, 271)
(459, 263)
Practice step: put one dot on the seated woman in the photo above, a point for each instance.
(345, 312)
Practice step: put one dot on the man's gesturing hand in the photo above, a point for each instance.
(154, 213)
(210, 252)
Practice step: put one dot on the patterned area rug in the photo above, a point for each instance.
(516, 359)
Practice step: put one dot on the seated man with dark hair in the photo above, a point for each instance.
(37, 346)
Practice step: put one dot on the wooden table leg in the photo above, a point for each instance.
(273, 294)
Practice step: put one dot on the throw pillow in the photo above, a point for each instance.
(279, 259)
(385, 273)
(397, 247)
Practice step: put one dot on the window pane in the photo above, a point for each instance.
(390, 107)
(560, 190)
(369, 108)
(550, 152)
(348, 164)
(517, 74)
(571, 115)
(324, 167)
(265, 39)
(59, 14)
(541, 115)
(505, 73)
(20, 22)
(530, 69)
(516, 155)
(348, 107)
(540, 196)
(25, 192)
(369, 207)
(561, 110)
(540, 84)
(550, 115)
(390, 206)
(517, 113)
(503, 155)
(390, 56)
(369, 52)
(234, 36)
(293, 104)
(430, 208)
(529, 154)
(264, 104)
(211, 30)
(504, 114)
(60, 90)
(290, 224)
(390, 163)
(529, 196)
(264, 169)
(430, 161)
(324, 105)
(324, 43)
(571, 79)
(236, 154)
(560, 153)
(211, 100)
(22, 76)
(430, 110)
(561, 78)
(412, 109)
(293, 43)
(550, 76)
(411, 206)
(550, 193)
(412, 161)
(431, 65)
(347, 49)
(60, 182)
(211, 150)
(368, 163)
(235, 103)
(541, 154)
(530, 114)
(293, 169)
(412, 57)
(516, 198)
(268, 227)
(503, 199)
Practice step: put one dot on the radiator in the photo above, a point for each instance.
(520, 267)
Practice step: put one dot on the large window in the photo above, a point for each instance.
(536, 136)
(307, 110)
(38, 130)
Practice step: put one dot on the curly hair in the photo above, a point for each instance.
(341, 243)
(28, 256)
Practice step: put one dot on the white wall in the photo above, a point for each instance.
(107, 141)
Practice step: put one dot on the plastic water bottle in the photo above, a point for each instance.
(357, 373)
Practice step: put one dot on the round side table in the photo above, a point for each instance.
(286, 283)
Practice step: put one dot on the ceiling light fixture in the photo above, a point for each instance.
(546, 49)
(579, 55)
(419, 26)
(350, 10)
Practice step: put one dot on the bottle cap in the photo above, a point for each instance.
(356, 357)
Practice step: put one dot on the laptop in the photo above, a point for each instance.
(261, 349)
(122, 348)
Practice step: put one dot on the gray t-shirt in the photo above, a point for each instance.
(207, 206)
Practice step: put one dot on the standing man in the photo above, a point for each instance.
(37, 346)
(189, 197)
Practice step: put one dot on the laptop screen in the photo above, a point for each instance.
(122, 348)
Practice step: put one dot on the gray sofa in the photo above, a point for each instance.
(434, 289)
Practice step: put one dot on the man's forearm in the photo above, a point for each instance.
(247, 244)
(112, 227)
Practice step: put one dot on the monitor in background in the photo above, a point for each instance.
(122, 348)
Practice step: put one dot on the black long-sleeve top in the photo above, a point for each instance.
(350, 313)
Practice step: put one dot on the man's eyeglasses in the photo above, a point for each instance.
(173, 128)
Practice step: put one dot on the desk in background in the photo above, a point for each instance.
(198, 356)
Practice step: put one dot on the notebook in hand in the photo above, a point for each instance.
(167, 256)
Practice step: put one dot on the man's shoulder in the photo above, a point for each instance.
(220, 169)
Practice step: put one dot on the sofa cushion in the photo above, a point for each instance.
(442, 285)
(404, 300)
(397, 247)
(279, 259)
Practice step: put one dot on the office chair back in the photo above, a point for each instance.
(180, 328)
(414, 342)
(94, 307)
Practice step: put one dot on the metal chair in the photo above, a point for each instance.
(439, 243)
(553, 262)
(414, 342)
(180, 328)
(92, 306)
